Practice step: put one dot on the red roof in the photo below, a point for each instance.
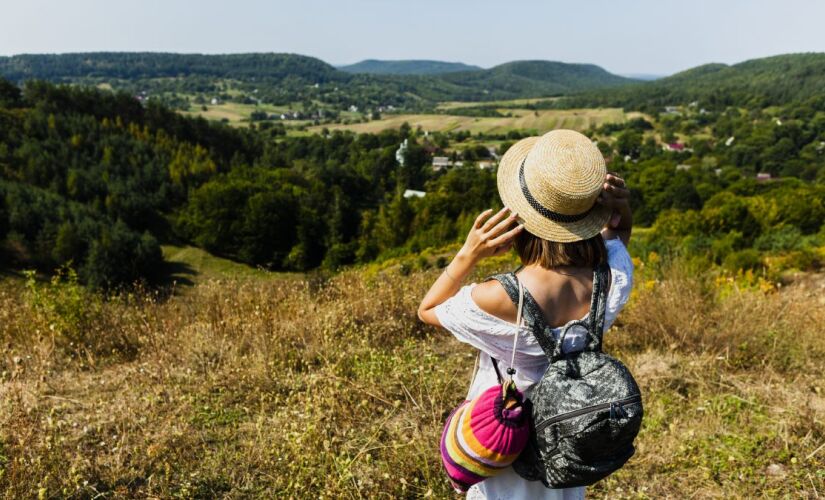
(677, 146)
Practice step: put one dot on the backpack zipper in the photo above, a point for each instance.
(614, 406)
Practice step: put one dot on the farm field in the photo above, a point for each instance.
(235, 113)
(511, 103)
(521, 119)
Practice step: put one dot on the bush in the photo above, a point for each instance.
(121, 257)
(744, 259)
(777, 239)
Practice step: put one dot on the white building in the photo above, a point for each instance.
(401, 152)
(440, 162)
(409, 193)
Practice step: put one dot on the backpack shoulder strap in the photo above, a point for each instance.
(598, 305)
(532, 315)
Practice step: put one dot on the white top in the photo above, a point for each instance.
(494, 336)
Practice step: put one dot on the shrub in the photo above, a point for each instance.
(744, 259)
(777, 239)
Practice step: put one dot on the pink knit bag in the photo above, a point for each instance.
(485, 435)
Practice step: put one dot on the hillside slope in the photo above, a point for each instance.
(537, 78)
(286, 388)
(754, 83)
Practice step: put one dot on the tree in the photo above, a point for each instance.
(119, 257)
(4, 218)
(629, 143)
(9, 94)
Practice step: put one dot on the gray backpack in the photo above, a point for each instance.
(586, 409)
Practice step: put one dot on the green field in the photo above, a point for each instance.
(510, 103)
(521, 119)
(235, 113)
(191, 265)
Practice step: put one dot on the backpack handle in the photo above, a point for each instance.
(594, 324)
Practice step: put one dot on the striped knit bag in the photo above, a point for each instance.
(485, 435)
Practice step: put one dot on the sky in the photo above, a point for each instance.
(623, 36)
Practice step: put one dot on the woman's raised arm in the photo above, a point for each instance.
(489, 236)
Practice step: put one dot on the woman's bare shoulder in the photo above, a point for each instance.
(491, 298)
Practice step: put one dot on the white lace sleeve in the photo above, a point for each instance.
(470, 324)
(621, 269)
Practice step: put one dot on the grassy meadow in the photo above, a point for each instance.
(327, 386)
(521, 119)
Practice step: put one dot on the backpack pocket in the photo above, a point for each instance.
(591, 432)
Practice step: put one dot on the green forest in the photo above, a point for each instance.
(98, 180)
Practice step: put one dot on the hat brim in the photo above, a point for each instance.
(509, 190)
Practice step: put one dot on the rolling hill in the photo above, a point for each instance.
(537, 78)
(289, 78)
(407, 67)
(140, 65)
(754, 83)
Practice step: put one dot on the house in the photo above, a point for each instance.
(717, 171)
(730, 140)
(493, 152)
(674, 146)
(215, 101)
(353, 108)
(440, 162)
(683, 167)
(485, 165)
(672, 110)
(763, 176)
(409, 193)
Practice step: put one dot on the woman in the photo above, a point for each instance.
(571, 215)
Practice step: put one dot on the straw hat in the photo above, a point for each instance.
(552, 182)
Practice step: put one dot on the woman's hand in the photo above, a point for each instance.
(616, 197)
(491, 236)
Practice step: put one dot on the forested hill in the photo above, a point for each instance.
(539, 78)
(755, 83)
(288, 78)
(407, 67)
(137, 65)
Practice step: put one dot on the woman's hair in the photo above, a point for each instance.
(549, 254)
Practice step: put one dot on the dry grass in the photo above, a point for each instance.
(331, 388)
(521, 119)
